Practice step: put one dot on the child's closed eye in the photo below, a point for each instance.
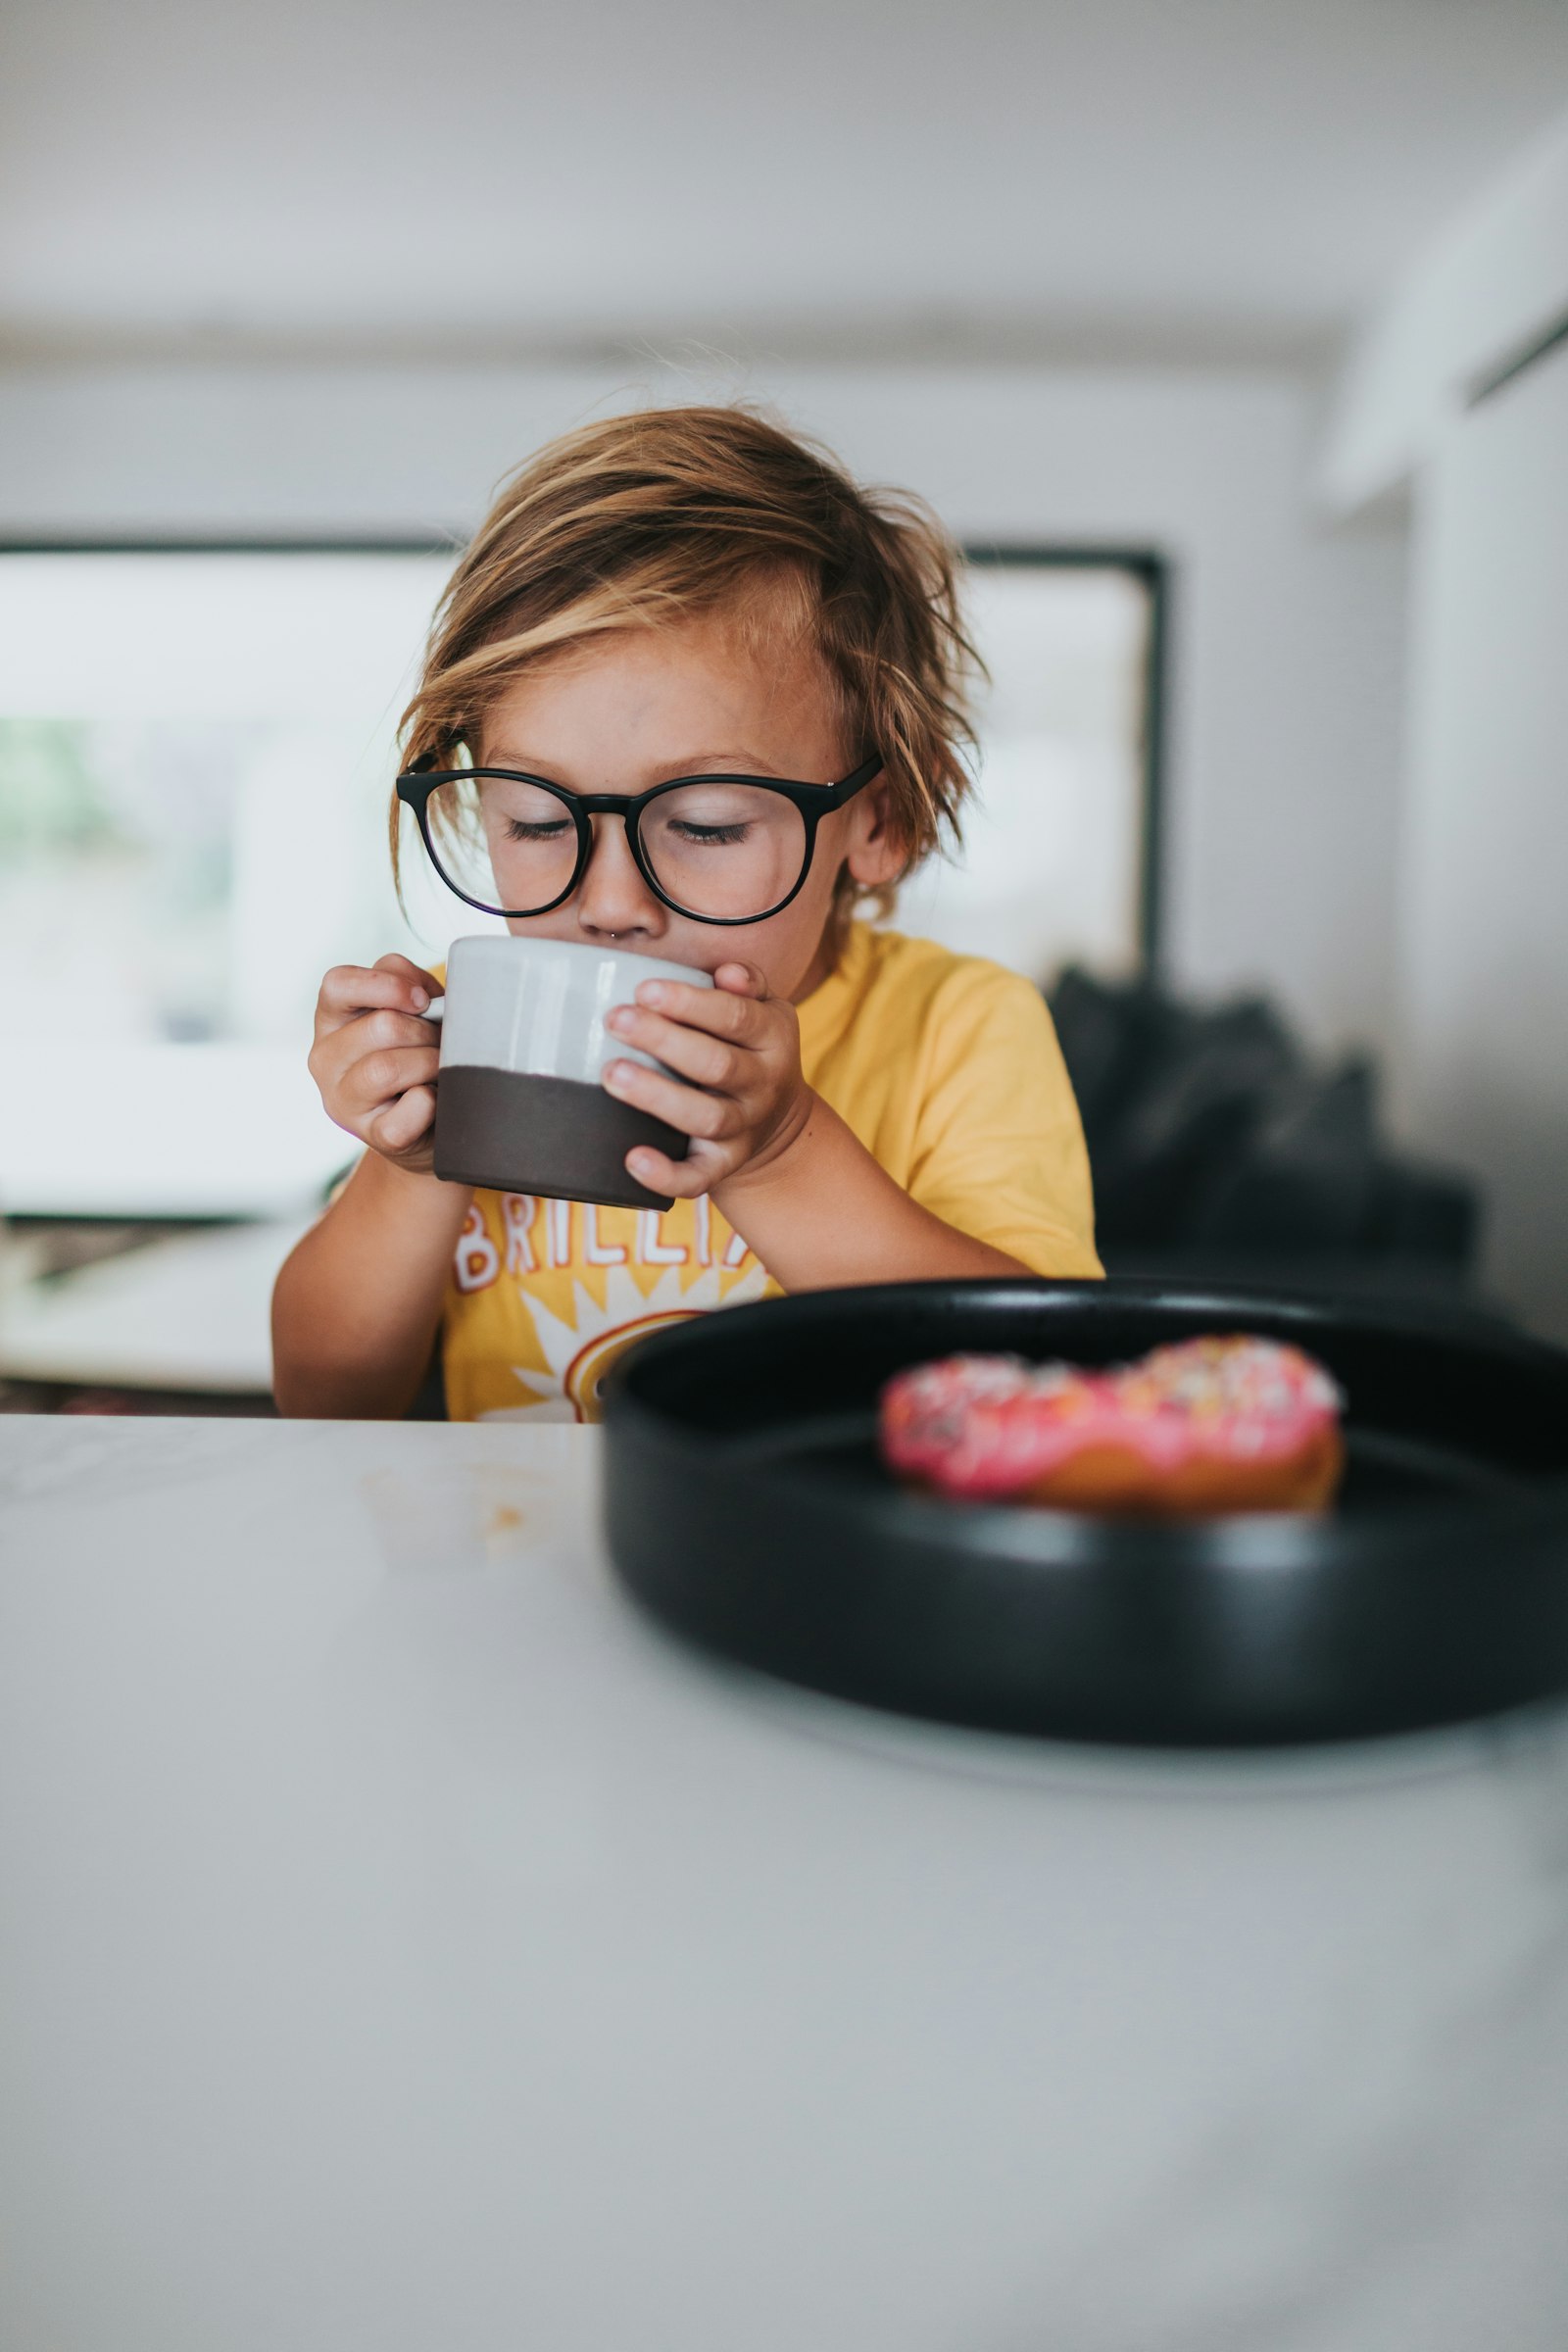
(707, 836)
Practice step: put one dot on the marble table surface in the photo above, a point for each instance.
(406, 1947)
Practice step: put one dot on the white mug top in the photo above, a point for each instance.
(539, 1005)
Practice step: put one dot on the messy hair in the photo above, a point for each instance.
(645, 519)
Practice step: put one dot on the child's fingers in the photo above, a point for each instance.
(707, 1060)
(374, 1030)
(695, 1113)
(404, 1121)
(681, 1179)
(740, 979)
(415, 973)
(380, 1078)
(393, 981)
(349, 990)
(722, 1014)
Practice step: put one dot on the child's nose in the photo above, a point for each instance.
(613, 899)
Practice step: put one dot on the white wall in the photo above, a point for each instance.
(1490, 285)
(1480, 1036)
(1484, 917)
(1287, 634)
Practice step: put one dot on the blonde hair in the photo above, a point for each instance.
(669, 514)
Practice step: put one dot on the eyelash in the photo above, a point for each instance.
(702, 836)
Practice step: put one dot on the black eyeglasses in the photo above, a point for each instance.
(719, 848)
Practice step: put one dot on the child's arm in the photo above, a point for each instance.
(823, 1215)
(790, 1176)
(358, 1304)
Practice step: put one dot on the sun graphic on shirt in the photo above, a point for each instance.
(581, 1353)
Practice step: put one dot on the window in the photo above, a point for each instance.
(1057, 864)
(196, 746)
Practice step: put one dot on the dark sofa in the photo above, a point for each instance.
(1221, 1148)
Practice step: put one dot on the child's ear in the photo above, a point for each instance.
(877, 851)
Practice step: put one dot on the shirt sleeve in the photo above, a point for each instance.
(999, 1148)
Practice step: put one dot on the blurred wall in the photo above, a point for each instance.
(1456, 391)
(1483, 1030)
(1287, 631)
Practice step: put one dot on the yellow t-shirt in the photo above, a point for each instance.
(948, 1070)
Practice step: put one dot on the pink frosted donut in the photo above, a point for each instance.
(1211, 1425)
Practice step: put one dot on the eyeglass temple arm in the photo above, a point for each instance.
(856, 781)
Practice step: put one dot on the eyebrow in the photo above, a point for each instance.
(737, 763)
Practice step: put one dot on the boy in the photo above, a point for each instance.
(693, 594)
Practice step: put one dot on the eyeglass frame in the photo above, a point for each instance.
(416, 786)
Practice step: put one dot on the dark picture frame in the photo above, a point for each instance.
(1152, 572)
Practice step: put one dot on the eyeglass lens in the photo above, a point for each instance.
(730, 851)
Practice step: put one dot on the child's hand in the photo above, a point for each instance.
(741, 1050)
(375, 1061)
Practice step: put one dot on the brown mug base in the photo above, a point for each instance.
(516, 1132)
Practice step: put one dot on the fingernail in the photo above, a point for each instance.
(619, 1019)
(420, 999)
(652, 992)
(616, 1076)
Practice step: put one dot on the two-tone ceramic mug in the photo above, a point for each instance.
(521, 1104)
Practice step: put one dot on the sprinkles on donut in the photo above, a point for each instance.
(1212, 1425)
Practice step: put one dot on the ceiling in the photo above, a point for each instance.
(1234, 177)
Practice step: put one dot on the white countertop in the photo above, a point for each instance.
(404, 1947)
(192, 1311)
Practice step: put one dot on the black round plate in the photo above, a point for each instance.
(747, 1509)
